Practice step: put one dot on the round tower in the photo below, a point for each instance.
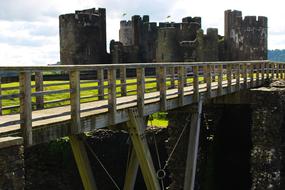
(83, 37)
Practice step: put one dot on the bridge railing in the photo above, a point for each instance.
(107, 82)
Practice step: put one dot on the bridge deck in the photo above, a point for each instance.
(51, 116)
(220, 78)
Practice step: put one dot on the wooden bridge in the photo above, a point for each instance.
(117, 98)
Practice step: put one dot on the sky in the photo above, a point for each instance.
(29, 33)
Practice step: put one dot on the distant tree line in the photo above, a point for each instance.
(276, 55)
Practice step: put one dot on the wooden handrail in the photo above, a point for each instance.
(196, 77)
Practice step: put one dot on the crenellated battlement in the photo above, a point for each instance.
(234, 19)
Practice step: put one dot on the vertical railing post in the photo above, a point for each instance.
(74, 78)
(229, 78)
(282, 71)
(26, 107)
(123, 76)
(209, 81)
(140, 90)
(205, 73)
(237, 77)
(267, 67)
(172, 77)
(220, 79)
(262, 72)
(100, 79)
(181, 71)
(272, 70)
(39, 88)
(1, 105)
(257, 68)
(244, 75)
(157, 73)
(196, 84)
(162, 85)
(251, 72)
(112, 101)
(277, 70)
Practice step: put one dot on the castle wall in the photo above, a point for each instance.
(168, 46)
(83, 37)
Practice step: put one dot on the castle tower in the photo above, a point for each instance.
(245, 39)
(83, 37)
(126, 33)
(168, 45)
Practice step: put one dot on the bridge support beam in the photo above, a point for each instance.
(132, 170)
(82, 162)
(192, 151)
(142, 153)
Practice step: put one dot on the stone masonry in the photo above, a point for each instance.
(267, 157)
(12, 163)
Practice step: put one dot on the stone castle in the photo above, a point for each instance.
(83, 39)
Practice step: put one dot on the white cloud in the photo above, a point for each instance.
(29, 28)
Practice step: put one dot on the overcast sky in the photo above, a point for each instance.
(29, 28)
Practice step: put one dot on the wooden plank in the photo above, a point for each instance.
(100, 78)
(107, 66)
(181, 76)
(196, 83)
(140, 90)
(162, 90)
(229, 78)
(220, 79)
(136, 131)
(192, 151)
(123, 76)
(26, 107)
(112, 100)
(208, 80)
(39, 88)
(82, 162)
(74, 78)
(172, 77)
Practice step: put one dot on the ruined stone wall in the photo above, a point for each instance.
(12, 173)
(83, 37)
(268, 137)
(246, 39)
